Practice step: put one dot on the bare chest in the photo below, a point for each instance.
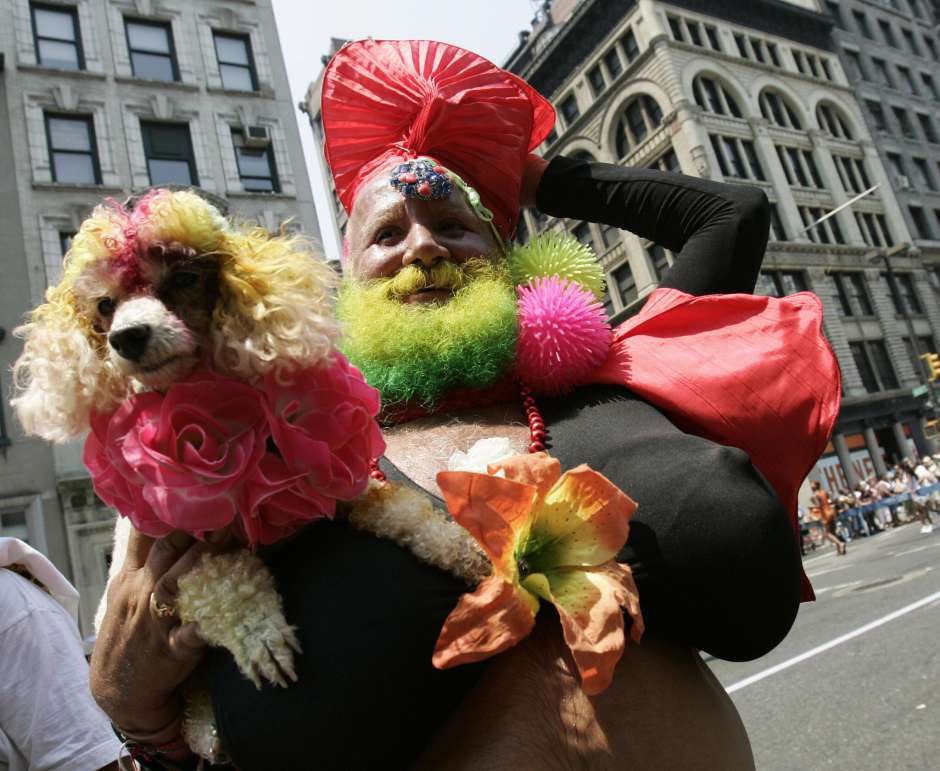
(422, 447)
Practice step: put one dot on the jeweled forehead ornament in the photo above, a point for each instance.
(422, 178)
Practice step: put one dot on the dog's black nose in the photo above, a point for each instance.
(131, 341)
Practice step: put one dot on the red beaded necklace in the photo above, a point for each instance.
(538, 433)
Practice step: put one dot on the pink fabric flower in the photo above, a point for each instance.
(214, 451)
(190, 450)
(323, 423)
(116, 483)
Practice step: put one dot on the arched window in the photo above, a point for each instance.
(775, 107)
(832, 121)
(713, 97)
(641, 116)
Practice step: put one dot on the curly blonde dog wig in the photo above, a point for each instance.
(273, 311)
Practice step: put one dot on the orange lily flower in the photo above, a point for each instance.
(549, 536)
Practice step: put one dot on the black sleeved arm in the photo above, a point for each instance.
(719, 231)
(710, 544)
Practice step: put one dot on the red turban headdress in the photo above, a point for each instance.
(395, 100)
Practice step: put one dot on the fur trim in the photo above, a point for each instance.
(408, 518)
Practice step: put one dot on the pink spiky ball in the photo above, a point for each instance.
(563, 334)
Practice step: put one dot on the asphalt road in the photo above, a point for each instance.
(871, 699)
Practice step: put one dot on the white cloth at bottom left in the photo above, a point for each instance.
(48, 718)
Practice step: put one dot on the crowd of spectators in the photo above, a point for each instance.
(909, 492)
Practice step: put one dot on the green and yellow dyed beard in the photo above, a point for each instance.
(417, 352)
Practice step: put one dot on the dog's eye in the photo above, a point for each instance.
(106, 306)
(183, 279)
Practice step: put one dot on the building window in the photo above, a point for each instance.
(854, 59)
(150, 44)
(609, 235)
(874, 365)
(799, 167)
(926, 125)
(661, 260)
(255, 165)
(625, 283)
(72, 149)
(569, 109)
(825, 232)
(853, 294)
(910, 41)
(832, 122)
(907, 80)
(736, 157)
(922, 178)
(852, 173)
(903, 118)
(13, 524)
(668, 161)
(877, 115)
(713, 97)
(932, 47)
(640, 117)
(675, 28)
(930, 85)
(919, 221)
(861, 22)
(887, 33)
(874, 228)
(612, 63)
(903, 294)
(236, 65)
(881, 70)
(55, 34)
(596, 78)
(780, 283)
(776, 109)
(65, 240)
(582, 232)
(777, 231)
(169, 152)
(713, 41)
(630, 48)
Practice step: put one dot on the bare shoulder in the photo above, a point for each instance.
(665, 710)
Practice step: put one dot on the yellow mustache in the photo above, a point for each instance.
(444, 275)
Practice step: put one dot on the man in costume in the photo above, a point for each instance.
(708, 408)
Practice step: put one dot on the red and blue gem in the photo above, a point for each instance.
(422, 179)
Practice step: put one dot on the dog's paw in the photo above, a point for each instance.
(233, 600)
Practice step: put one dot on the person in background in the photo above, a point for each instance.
(48, 718)
(827, 514)
(921, 477)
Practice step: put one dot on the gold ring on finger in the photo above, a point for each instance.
(160, 609)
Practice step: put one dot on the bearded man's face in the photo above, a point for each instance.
(427, 306)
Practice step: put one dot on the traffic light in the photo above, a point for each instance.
(933, 365)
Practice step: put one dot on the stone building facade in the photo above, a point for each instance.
(104, 98)
(756, 93)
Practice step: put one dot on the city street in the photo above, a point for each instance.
(856, 684)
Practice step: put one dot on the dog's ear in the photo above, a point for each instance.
(275, 304)
(61, 375)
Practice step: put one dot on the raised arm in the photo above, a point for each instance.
(718, 231)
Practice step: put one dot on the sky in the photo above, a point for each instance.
(489, 27)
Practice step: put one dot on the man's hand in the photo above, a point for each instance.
(140, 659)
(531, 177)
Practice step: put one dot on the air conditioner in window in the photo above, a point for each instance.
(257, 136)
(901, 182)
